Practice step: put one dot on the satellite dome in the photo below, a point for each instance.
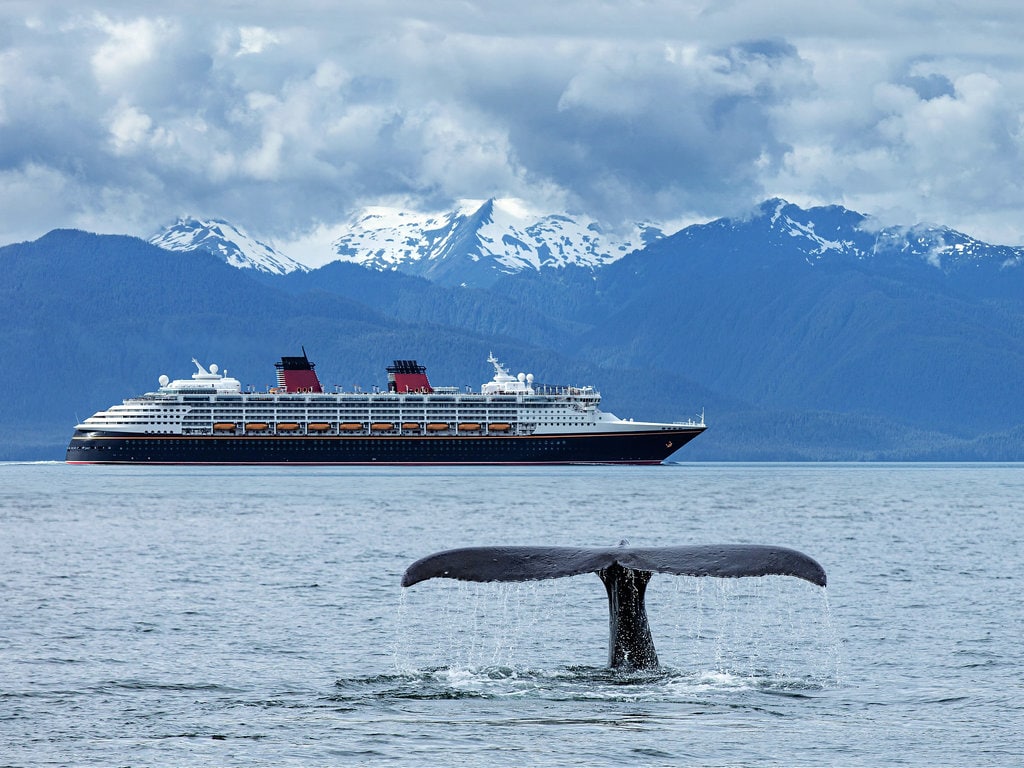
(164, 381)
(214, 368)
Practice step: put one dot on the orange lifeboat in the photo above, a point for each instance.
(437, 426)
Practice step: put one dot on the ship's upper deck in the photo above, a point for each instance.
(202, 379)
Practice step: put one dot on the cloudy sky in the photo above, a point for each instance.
(284, 118)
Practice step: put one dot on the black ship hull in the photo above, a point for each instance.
(651, 447)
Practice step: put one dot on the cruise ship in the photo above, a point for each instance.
(208, 419)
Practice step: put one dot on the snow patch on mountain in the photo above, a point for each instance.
(231, 243)
(822, 244)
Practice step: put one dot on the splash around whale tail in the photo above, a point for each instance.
(535, 563)
(625, 572)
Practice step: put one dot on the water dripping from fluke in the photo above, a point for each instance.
(625, 572)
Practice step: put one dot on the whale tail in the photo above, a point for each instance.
(625, 572)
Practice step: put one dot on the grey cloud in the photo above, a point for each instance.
(281, 120)
(929, 87)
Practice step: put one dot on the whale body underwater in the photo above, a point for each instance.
(625, 572)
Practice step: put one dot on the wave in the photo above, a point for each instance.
(570, 683)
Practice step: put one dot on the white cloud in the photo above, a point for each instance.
(31, 197)
(253, 40)
(265, 162)
(129, 129)
(461, 153)
(313, 247)
(127, 47)
(953, 158)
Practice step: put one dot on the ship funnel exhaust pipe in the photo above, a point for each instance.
(408, 376)
(297, 374)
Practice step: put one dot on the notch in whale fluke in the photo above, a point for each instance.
(625, 572)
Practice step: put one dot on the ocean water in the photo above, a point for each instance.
(253, 617)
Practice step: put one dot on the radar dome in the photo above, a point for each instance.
(164, 381)
(521, 377)
(214, 368)
(529, 378)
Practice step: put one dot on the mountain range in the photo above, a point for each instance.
(478, 242)
(474, 244)
(803, 334)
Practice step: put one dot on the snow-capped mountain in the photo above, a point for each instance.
(229, 242)
(823, 235)
(481, 240)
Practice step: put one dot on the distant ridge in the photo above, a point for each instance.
(832, 232)
(227, 241)
(478, 242)
(481, 240)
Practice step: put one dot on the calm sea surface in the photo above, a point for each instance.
(253, 617)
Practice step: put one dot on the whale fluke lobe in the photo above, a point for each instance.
(726, 561)
(507, 564)
(625, 572)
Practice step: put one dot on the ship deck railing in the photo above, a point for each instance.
(689, 423)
